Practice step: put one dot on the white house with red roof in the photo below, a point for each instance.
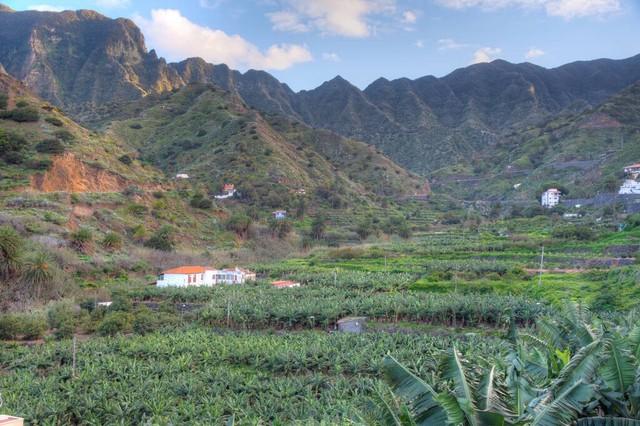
(196, 276)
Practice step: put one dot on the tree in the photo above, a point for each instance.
(318, 226)
(10, 252)
(40, 274)
(162, 239)
(239, 223)
(280, 227)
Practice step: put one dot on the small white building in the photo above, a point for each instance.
(279, 214)
(550, 198)
(631, 184)
(182, 176)
(285, 284)
(196, 276)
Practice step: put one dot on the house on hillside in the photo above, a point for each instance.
(196, 276)
(182, 176)
(550, 198)
(279, 214)
(285, 284)
(228, 191)
(630, 185)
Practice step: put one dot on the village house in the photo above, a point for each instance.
(285, 284)
(196, 276)
(228, 191)
(182, 176)
(279, 214)
(630, 184)
(550, 198)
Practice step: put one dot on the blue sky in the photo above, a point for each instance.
(306, 42)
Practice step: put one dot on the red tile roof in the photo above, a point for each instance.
(633, 166)
(186, 270)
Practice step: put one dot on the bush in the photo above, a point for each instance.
(125, 159)
(32, 327)
(161, 240)
(50, 146)
(4, 100)
(82, 239)
(24, 114)
(199, 201)
(10, 252)
(112, 241)
(55, 121)
(581, 233)
(114, 323)
(11, 147)
(136, 126)
(9, 325)
(239, 223)
(62, 318)
(64, 135)
(138, 210)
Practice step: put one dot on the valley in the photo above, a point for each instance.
(184, 243)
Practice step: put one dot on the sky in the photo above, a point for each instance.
(306, 42)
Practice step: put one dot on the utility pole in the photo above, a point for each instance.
(541, 267)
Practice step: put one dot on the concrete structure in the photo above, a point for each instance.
(631, 185)
(352, 324)
(279, 214)
(196, 276)
(285, 284)
(10, 421)
(550, 198)
(182, 176)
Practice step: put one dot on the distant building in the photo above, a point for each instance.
(285, 284)
(196, 276)
(228, 191)
(182, 176)
(550, 198)
(631, 184)
(279, 214)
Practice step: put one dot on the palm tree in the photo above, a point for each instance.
(40, 273)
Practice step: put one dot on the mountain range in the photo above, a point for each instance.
(91, 65)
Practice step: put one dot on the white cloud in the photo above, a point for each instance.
(567, 9)
(45, 8)
(176, 37)
(331, 56)
(419, 44)
(449, 43)
(486, 54)
(534, 53)
(210, 4)
(113, 4)
(409, 17)
(348, 18)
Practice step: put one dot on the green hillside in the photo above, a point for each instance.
(213, 137)
(582, 153)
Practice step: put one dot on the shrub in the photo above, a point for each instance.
(120, 302)
(22, 103)
(24, 114)
(33, 327)
(4, 100)
(138, 210)
(114, 323)
(201, 133)
(136, 126)
(62, 318)
(50, 146)
(64, 135)
(199, 201)
(9, 325)
(161, 240)
(11, 147)
(10, 252)
(54, 121)
(280, 228)
(239, 223)
(82, 239)
(582, 233)
(125, 159)
(40, 275)
(112, 241)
